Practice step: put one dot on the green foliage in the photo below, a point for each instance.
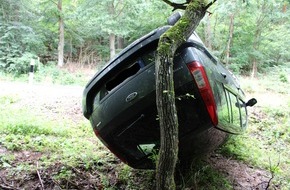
(19, 65)
(19, 42)
(30, 29)
(55, 75)
(283, 77)
(51, 74)
(6, 160)
(256, 37)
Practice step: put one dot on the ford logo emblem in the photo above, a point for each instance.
(131, 96)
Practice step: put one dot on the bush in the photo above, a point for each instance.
(18, 45)
(19, 65)
(283, 77)
(50, 73)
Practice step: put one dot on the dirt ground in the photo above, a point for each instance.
(65, 102)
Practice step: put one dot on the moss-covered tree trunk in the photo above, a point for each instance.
(165, 96)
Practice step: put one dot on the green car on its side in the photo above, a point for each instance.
(120, 101)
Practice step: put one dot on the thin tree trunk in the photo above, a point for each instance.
(61, 34)
(120, 44)
(112, 37)
(256, 44)
(71, 49)
(255, 68)
(231, 31)
(284, 8)
(112, 45)
(260, 24)
(208, 33)
(165, 95)
(81, 55)
(256, 48)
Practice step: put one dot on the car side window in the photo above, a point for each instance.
(235, 110)
(244, 114)
(232, 113)
(223, 107)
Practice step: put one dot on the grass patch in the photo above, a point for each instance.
(202, 176)
(266, 143)
(23, 130)
(52, 74)
(70, 153)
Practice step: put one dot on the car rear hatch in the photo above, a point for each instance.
(120, 102)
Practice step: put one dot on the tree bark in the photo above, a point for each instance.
(61, 34)
(231, 31)
(120, 42)
(208, 33)
(260, 24)
(112, 45)
(165, 95)
(112, 37)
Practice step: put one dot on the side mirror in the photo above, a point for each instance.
(251, 102)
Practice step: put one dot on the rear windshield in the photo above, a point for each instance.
(131, 68)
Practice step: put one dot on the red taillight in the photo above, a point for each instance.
(96, 132)
(199, 75)
(109, 147)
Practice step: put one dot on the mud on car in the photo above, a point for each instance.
(120, 101)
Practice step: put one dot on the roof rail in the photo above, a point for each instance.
(174, 18)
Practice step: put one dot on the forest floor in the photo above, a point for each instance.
(64, 102)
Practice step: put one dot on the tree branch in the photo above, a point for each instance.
(210, 4)
(177, 5)
(39, 177)
(53, 2)
(184, 5)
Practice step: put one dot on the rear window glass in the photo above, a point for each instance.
(123, 75)
(148, 58)
(132, 68)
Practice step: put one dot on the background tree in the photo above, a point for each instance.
(30, 28)
(61, 33)
(241, 49)
(18, 39)
(165, 95)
